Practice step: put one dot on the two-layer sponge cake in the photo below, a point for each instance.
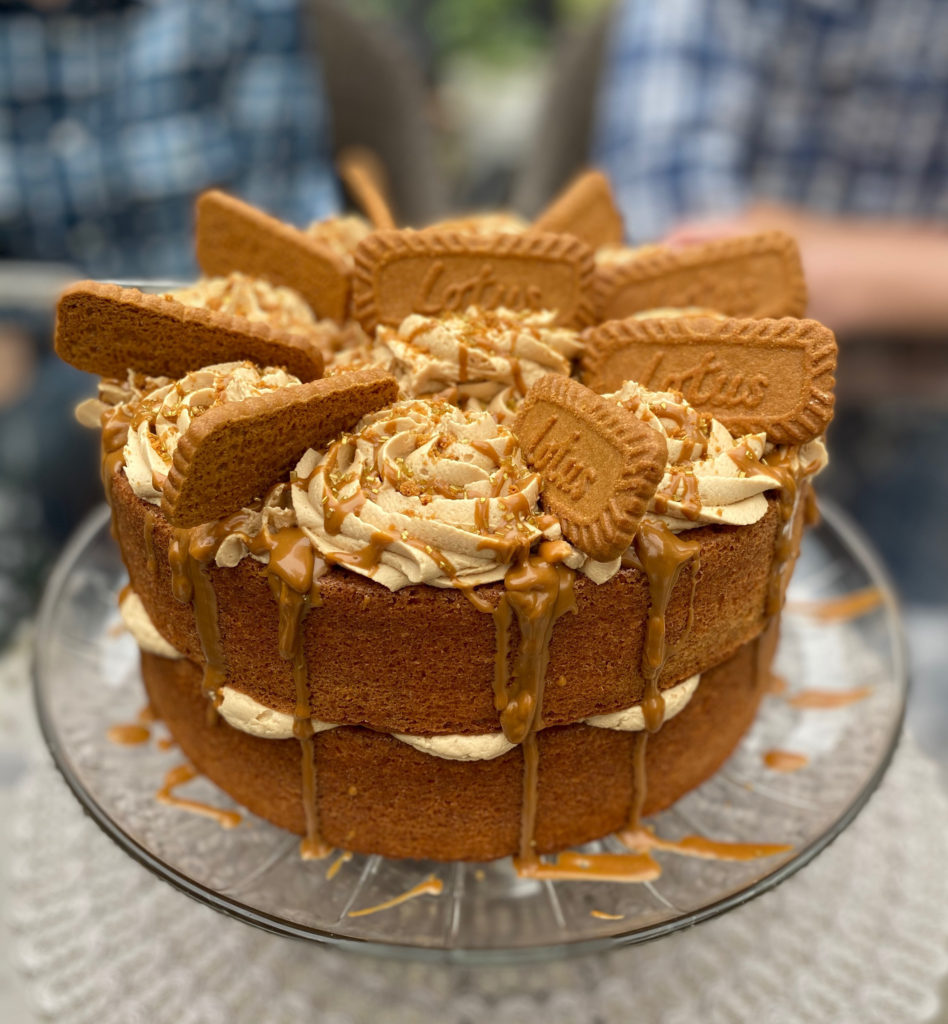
(448, 601)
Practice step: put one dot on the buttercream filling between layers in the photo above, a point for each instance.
(243, 712)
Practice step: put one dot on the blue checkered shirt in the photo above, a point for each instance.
(837, 105)
(112, 120)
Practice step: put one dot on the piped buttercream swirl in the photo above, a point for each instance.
(711, 476)
(161, 416)
(421, 492)
(481, 359)
(277, 306)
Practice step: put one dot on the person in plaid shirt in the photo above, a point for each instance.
(828, 118)
(114, 114)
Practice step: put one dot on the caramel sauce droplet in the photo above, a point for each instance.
(129, 734)
(828, 699)
(785, 760)
(336, 865)
(365, 558)
(430, 886)
(148, 536)
(639, 840)
(592, 867)
(840, 609)
(777, 685)
(182, 774)
(487, 450)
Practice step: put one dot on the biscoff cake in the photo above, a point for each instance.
(485, 610)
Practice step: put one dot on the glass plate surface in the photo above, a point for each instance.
(86, 679)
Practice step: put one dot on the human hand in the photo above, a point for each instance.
(864, 275)
(16, 364)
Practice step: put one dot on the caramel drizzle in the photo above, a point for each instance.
(661, 555)
(825, 700)
(430, 886)
(519, 383)
(638, 865)
(777, 685)
(785, 761)
(336, 865)
(128, 734)
(537, 592)
(336, 509)
(365, 558)
(148, 536)
(293, 571)
(778, 467)
(686, 482)
(182, 774)
(188, 554)
(115, 426)
(592, 867)
(811, 507)
(842, 608)
(487, 450)
(482, 515)
(133, 733)
(642, 840)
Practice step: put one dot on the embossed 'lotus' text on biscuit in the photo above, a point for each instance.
(439, 294)
(599, 464)
(775, 376)
(559, 463)
(398, 273)
(705, 382)
(451, 285)
(748, 276)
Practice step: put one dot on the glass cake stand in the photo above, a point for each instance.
(86, 679)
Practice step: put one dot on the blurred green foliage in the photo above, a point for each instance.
(494, 31)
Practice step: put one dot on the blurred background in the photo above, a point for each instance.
(828, 118)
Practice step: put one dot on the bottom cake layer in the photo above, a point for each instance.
(375, 794)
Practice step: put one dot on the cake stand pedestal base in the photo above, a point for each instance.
(860, 934)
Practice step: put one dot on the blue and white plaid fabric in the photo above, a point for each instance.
(838, 105)
(111, 121)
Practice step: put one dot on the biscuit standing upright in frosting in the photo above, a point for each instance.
(435, 272)
(587, 209)
(232, 235)
(108, 330)
(766, 375)
(747, 276)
